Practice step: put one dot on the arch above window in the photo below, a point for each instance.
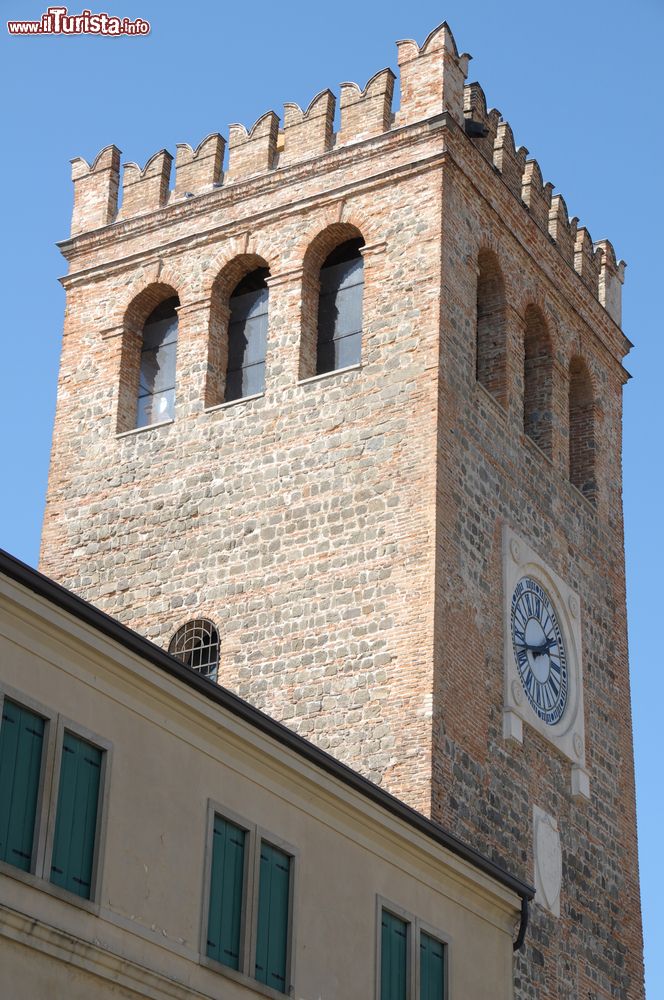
(339, 338)
(156, 387)
(196, 644)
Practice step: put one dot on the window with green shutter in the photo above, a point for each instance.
(21, 751)
(273, 914)
(432, 968)
(76, 816)
(227, 883)
(393, 957)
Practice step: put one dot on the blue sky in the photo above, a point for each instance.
(580, 83)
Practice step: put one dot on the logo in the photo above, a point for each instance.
(58, 21)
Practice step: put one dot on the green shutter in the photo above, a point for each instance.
(76, 818)
(226, 893)
(273, 910)
(393, 958)
(432, 968)
(21, 745)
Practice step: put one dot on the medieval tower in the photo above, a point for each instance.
(341, 425)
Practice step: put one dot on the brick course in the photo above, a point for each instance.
(344, 532)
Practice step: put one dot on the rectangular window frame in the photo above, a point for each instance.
(281, 845)
(47, 799)
(106, 748)
(416, 927)
(36, 869)
(216, 809)
(249, 933)
(409, 920)
(422, 927)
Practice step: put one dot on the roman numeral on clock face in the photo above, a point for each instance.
(539, 650)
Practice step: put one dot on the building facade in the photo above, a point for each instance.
(353, 404)
(335, 889)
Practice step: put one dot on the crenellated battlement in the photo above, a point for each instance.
(587, 260)
(562, 229)
(198, 170)
(147, 189)
(611, 279)
(95, 190)
(508, 160)
(308, 133)
(476, 114)
(252, 152)
(367, 112)
(432, 77)
(432, 81)
(536, 194)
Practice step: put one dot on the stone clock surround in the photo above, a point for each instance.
(567, 735)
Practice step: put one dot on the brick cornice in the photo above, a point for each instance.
(236, 228)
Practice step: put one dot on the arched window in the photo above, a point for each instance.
(156, 389)
(339, 342)
(582, 429)
(197, 645)
(247, 336)
(491, 356)
(538, 381)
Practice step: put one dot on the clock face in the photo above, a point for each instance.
(539, 650)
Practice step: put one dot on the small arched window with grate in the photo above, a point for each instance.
(197, 645)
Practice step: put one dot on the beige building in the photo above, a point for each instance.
(337, 884)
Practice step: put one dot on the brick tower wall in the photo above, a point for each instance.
(344, 532)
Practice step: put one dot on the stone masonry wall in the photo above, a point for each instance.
(344, 531)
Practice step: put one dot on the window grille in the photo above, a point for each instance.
(197, 645)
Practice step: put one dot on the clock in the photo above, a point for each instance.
(539, 650)
(542, 656)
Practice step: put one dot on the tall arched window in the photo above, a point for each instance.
(339, 342)
(156, 389)
(197, 645)
(247, 336)
(582, 429)
(490, 367)
(538, 381)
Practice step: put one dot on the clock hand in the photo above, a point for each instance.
(539, 649)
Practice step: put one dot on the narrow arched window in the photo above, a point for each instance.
(538, 381)
(339, 341)
(582, 429)
(156, 389)
(490, 368)
(197, 645)
(247, 336)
